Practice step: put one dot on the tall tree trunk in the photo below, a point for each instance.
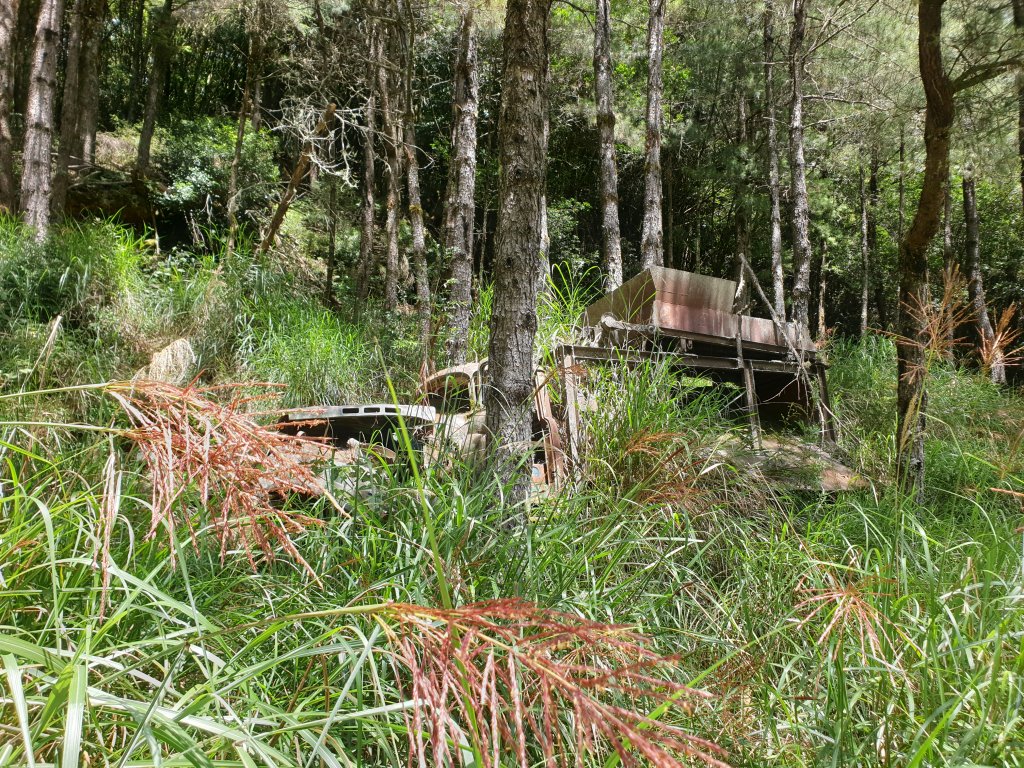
(976, 284)
(1018, 23)
(604, 96)
(881, 306)
(367, 232)
(798, 171)
(651, 253)
(412, 173)
(741, 302)
(69, 113)
(865, 255)
(460, 196)
(253, 62)
(89, 78)
(544, 244)
(822, 327)
(393, 175)
(522, 163)
(670, 219)
(332, 238)
(36, 177)
(948, 255)
(912, 345)
(901, 188)
(8, 33)
(774, 185)
(163, 50)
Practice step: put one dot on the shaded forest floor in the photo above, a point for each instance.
(855, 629)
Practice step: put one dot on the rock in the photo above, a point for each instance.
(174, 364)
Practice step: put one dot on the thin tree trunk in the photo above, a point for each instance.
(865, 256)
(419, 243)
(798, 171)
(392, 173)
(1018, 23)
(948, 255)
(332, 238)
(741, 302)
(670, 220)
(8, 33)
(901, 190)
(651, 250)
(881, 307)
(460, 196)
(822, 288)
(544, 245)
(89, 77)
(992, 356)
(522, 163)
(604, 96)
(912, 344)
(774, 185)
(251, 64)
(301, 167)
(366, 235)
(36, 177)
(163, 49)
(69, 106)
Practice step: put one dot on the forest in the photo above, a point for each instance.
(332, 432)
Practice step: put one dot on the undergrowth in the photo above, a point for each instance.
(658, 601)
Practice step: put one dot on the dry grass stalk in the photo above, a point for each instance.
(670, 473)
(499, 675)
(999, 350)
(938, 323)
(190, 441)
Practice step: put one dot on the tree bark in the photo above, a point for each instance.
(392, 174)
(1018, 23)
(366, 235)
(460, 196)
(604, 96)
(774, 185)
(36, 175)
(651, 249)
(523, 161)
(741, 302)
(69, 106)
(252, 64)
(865, 255)
(8, 34)
(544, 244)
(332, 238)
(89, 77)
(992, 356)
(822, 327)
(881, 307)
(163, 50)
(798, 172)
(948, 255)
(912, 343)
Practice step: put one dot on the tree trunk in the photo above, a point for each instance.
(948, 255)
(651, 253)
(460, 196)
(670, 218)
(881, 306)
(774, 185)
(69, 106)
(301, 167)
(604, 96)
(544, 244)
(865, 256)
(522, 163)
(798, 171)
(822, 288)
(163, 49)
(252, 63)
(36, 177)
(912, 344)
(1018, 23)
(8, 33)
(392, 173)
(89, 77)
(366, 235)
(991, 355)
(741, 302)
(332, 238)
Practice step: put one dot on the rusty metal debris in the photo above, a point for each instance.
(681, 318)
